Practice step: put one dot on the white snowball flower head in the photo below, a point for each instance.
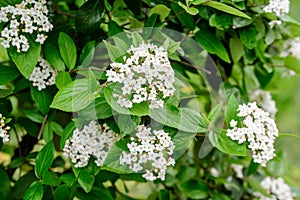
(146, 75)
(258, 130)
(279, 7)
(277, 188)
(4, 130)
(150, 151)
(292, 47)
(93, 140)
(264, 100)
(43, 75)
(28, 17)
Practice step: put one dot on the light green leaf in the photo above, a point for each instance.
(74, 96)
(160, 9)
(53, 57)
(113, 51)
(221, 141)
(34, 116)
(26, 61)
(231, 109)
(225, 8)
(67, 49)
(62, 79)
(44, 160)
(184, 119)
(47, 132)
(236, 49)
(68, 131)
(292, 63)
(190, 10)
(34, 192)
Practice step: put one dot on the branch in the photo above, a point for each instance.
(42, 127)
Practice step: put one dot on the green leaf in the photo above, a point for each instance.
(221, 141)
(17, 162)
(86, 180)
(184, 119)
(68, 178)
(44, 160)
(7, 74)
(67, 50)
(89, 16)
(26, 61)
(47, 132)
(87, 54)
(225, 8)
(160, 9)
(74, 96)
(114, 28)
(248, 36)
(190, 10)
(68, 131)
(22, 185)
(185, 19)
(34, 192)
(194, 189)
(236, 49)
(34, 116)
(212, 44)
(113, 51)
(134, 5)
(215, 113)
(53, 57)
(4, 3)
(63, 192)
(62, 79)
(292, 63)
(231, 109)
(51, 178)
(140, 109)
(4, 185)
(42, 98)
(127, 123)
(57, 128)
(221, 22)
(255, 184)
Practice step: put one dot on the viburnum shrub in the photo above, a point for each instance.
(144, 99)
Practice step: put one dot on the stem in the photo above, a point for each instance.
(65, 13)
(42, 127)
(199, 68)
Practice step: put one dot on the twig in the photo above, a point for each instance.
(65, 13)
(190, 65)
(42, 127)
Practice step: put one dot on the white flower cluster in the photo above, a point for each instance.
(277, 188)
(146, 75)
(4, 130)
(238, 170)
(150, 151)
(292, 47)
(43, 75)
(30, 16)
(279, 7)
(264, 100)
(258, 129)
(93, 140)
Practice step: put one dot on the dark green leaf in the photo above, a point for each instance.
(74, 96)
(63, 192)
(127, 123)
(26, 61)
(89, 16)
(212, 44)
(4, 185)
(47, 132)
(17, 162)
(87, 54)
(34, 192)
(194, 189)
(185, 19)
(42, 98)
(134, 5)
(66, 134)
(22, 185)
(221, 21)
(67, 50)
(51, 178)
(44, 160)
(7, 74)
(114, 28)
(57, 128)
(221, 141)
(68, 178)
(248, 36)
(9, 2)
(53, 57)
(263, 74)
(231, 109)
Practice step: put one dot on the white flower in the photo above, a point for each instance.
(93, 140)
(146, 75)
(264, 100)
(277, 188)
(238, 169)
(258, 129)
(279, 7)
(150, 151)
(4, 130)
(27, 17)
(43, 75)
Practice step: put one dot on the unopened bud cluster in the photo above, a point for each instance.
(28, 17)
(150, 151)
(4, 130)
(93, 140)
(43, 75)
(276, 188)
(257, 129)
(146, 75)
